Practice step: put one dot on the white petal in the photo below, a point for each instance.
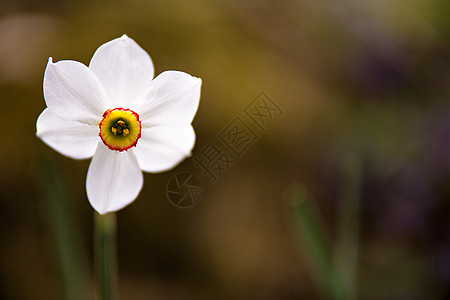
(114, 179)
(171, 99)
(124, 69)
(68, 137)
(161, 148)
(73, 92)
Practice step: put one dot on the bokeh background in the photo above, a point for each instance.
(346, 195)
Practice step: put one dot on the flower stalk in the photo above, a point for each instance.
(105, 256)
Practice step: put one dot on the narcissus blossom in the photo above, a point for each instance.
(116, 113)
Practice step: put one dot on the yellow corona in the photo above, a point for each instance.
(120, 129)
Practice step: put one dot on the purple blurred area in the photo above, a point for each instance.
(370, 78)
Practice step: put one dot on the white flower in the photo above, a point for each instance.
(114, 112)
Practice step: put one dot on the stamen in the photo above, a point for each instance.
(119, 127)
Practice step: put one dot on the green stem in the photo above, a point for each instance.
(105, 255)
(315, 241)
(62, 221)
(346, 250)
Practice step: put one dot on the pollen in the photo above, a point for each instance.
(120, 129)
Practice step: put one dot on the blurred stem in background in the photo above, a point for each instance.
(64, 230)
(105, 255)
(346, 250)
(337, 278)
(315, 241)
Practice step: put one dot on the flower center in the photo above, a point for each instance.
(120, 129)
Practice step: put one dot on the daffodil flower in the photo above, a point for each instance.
(116, 113)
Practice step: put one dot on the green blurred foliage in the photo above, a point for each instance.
(369, 78)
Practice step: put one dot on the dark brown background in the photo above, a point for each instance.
(363, 84)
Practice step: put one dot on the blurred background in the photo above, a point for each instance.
(345, 195)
